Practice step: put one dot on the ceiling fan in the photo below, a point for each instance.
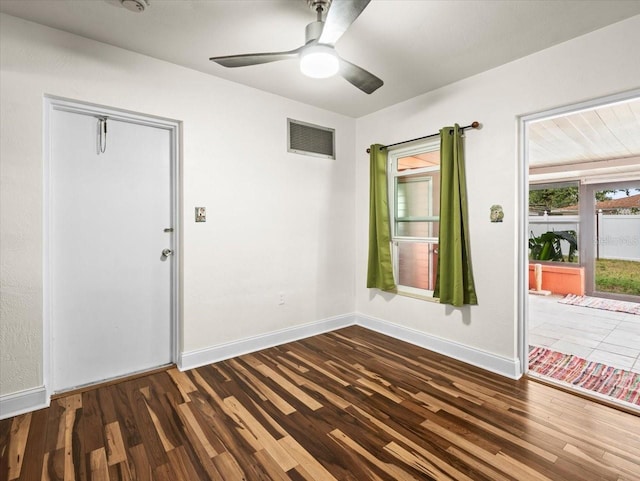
(318, 57)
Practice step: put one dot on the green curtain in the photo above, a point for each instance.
(380, 270)
(454, 280)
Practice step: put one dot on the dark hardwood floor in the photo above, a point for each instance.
(348, 405)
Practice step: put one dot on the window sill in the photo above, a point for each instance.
(422, 297)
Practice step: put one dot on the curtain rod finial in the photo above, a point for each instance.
(368, 151)
(475, 124)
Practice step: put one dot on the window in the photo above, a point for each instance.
(554, 222)
(414, 193)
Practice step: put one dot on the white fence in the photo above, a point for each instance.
(619, 235)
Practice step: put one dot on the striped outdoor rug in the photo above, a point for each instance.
(593, 376)
(600, 303)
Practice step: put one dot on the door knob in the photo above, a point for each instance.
(167, 252)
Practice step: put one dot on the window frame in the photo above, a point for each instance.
(393, 155)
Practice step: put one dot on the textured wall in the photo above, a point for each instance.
(277, 222)
(584, 68)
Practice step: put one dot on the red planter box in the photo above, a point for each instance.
(559, 279)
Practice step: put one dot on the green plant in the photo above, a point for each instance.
(548, 247)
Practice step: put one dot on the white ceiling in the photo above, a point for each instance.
(608, 132)
(414, 46)
(596, 144)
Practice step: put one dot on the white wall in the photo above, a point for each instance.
(591, 66)
(277, 222)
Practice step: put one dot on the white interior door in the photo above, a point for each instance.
(110, 285)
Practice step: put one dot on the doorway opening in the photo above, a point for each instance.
(110, 244)
(580, 304)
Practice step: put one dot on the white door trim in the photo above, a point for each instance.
(51, 104)
(523, 208)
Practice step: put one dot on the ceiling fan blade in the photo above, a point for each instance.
(342, 13)
(255, 58)
(359, 77)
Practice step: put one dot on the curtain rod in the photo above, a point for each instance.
(472, 125)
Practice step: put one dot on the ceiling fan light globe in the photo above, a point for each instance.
(319, 61)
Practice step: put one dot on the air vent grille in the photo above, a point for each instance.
(309, 139)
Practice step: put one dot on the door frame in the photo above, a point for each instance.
(53, 103)
(523, 121)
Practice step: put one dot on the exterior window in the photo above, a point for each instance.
(414, 193)
(554, 222)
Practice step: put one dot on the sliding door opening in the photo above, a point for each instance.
(580, 248)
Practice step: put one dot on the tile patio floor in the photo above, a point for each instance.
(612, 338)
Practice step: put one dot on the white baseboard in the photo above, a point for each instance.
(482, 359)
(23, 402)
(37, 398)
(201, 357)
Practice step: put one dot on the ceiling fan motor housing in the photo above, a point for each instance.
(312, 31)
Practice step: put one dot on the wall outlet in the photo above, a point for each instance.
(201, 214)
(281, 299)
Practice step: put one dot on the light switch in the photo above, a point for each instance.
(201, 214)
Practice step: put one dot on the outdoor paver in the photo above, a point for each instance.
(625, 351)
(583, 341)
(567, 347)
(538, 340)
(623, 338)
(611, 359)
(629, 327)
(547, 332)
(612, 338)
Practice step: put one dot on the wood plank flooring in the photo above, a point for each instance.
(348, 405)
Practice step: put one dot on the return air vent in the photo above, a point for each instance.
(309, 139)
